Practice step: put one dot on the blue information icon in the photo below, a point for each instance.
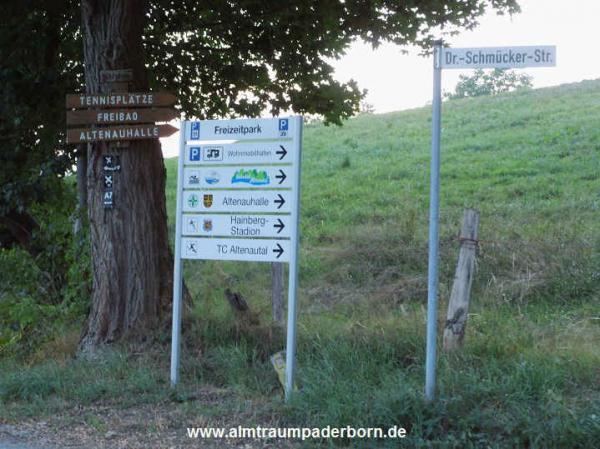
(194, 154)
(283, 124)
(195, 131)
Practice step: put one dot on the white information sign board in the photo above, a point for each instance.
(250, 250)
(236, 225)
(263, 201)
(238, 198)
(241, 129)
(240, 153)
(248, 177)
(498, 57)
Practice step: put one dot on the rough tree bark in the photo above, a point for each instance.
(81, 187)
(131, 260)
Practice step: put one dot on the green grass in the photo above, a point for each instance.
(50, 386)
(528, 161)
(529, 373)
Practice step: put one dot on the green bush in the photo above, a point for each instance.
(489, 83)
(40, 295)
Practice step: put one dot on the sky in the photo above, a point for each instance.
(397, 81)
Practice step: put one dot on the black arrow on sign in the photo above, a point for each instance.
(279, 201)
(281, 176)
(278, 251)
(279, 226)
(283, 152)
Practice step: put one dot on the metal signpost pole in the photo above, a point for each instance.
(461, 58)
(290, 355)
(432, 276)
(177, 275)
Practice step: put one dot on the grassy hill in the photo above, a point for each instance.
(528, 377)
(530, 163)
(529, 373)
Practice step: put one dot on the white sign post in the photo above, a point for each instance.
(238, 198)
(460, 58)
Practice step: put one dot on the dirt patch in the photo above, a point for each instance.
(148, 426)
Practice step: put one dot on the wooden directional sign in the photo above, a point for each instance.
(498, 57)
(116, 76)
(236, 225)
(250, 177)
(278, 152)
(120, 100)
(119, 133)
(235, 249)
(114, 116)
(237, 201)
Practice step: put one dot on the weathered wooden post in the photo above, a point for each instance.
(458, 307)
(277, 292)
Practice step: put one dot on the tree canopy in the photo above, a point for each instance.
(40, 60)
(221, 58)
(230, 58)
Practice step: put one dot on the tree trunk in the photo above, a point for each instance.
(131, 260)
(81, 187)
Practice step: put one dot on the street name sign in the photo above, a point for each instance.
(276, 152)
(120, 100)
(238, 198)
(247, 177)
(118, 133)
(236, 225)
(498, 57)
(113, 116)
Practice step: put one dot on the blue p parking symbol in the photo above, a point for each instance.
(195, 131)
(283, 124)
(194, 154)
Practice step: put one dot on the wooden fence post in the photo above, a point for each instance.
(458, 306)
(277, 292)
